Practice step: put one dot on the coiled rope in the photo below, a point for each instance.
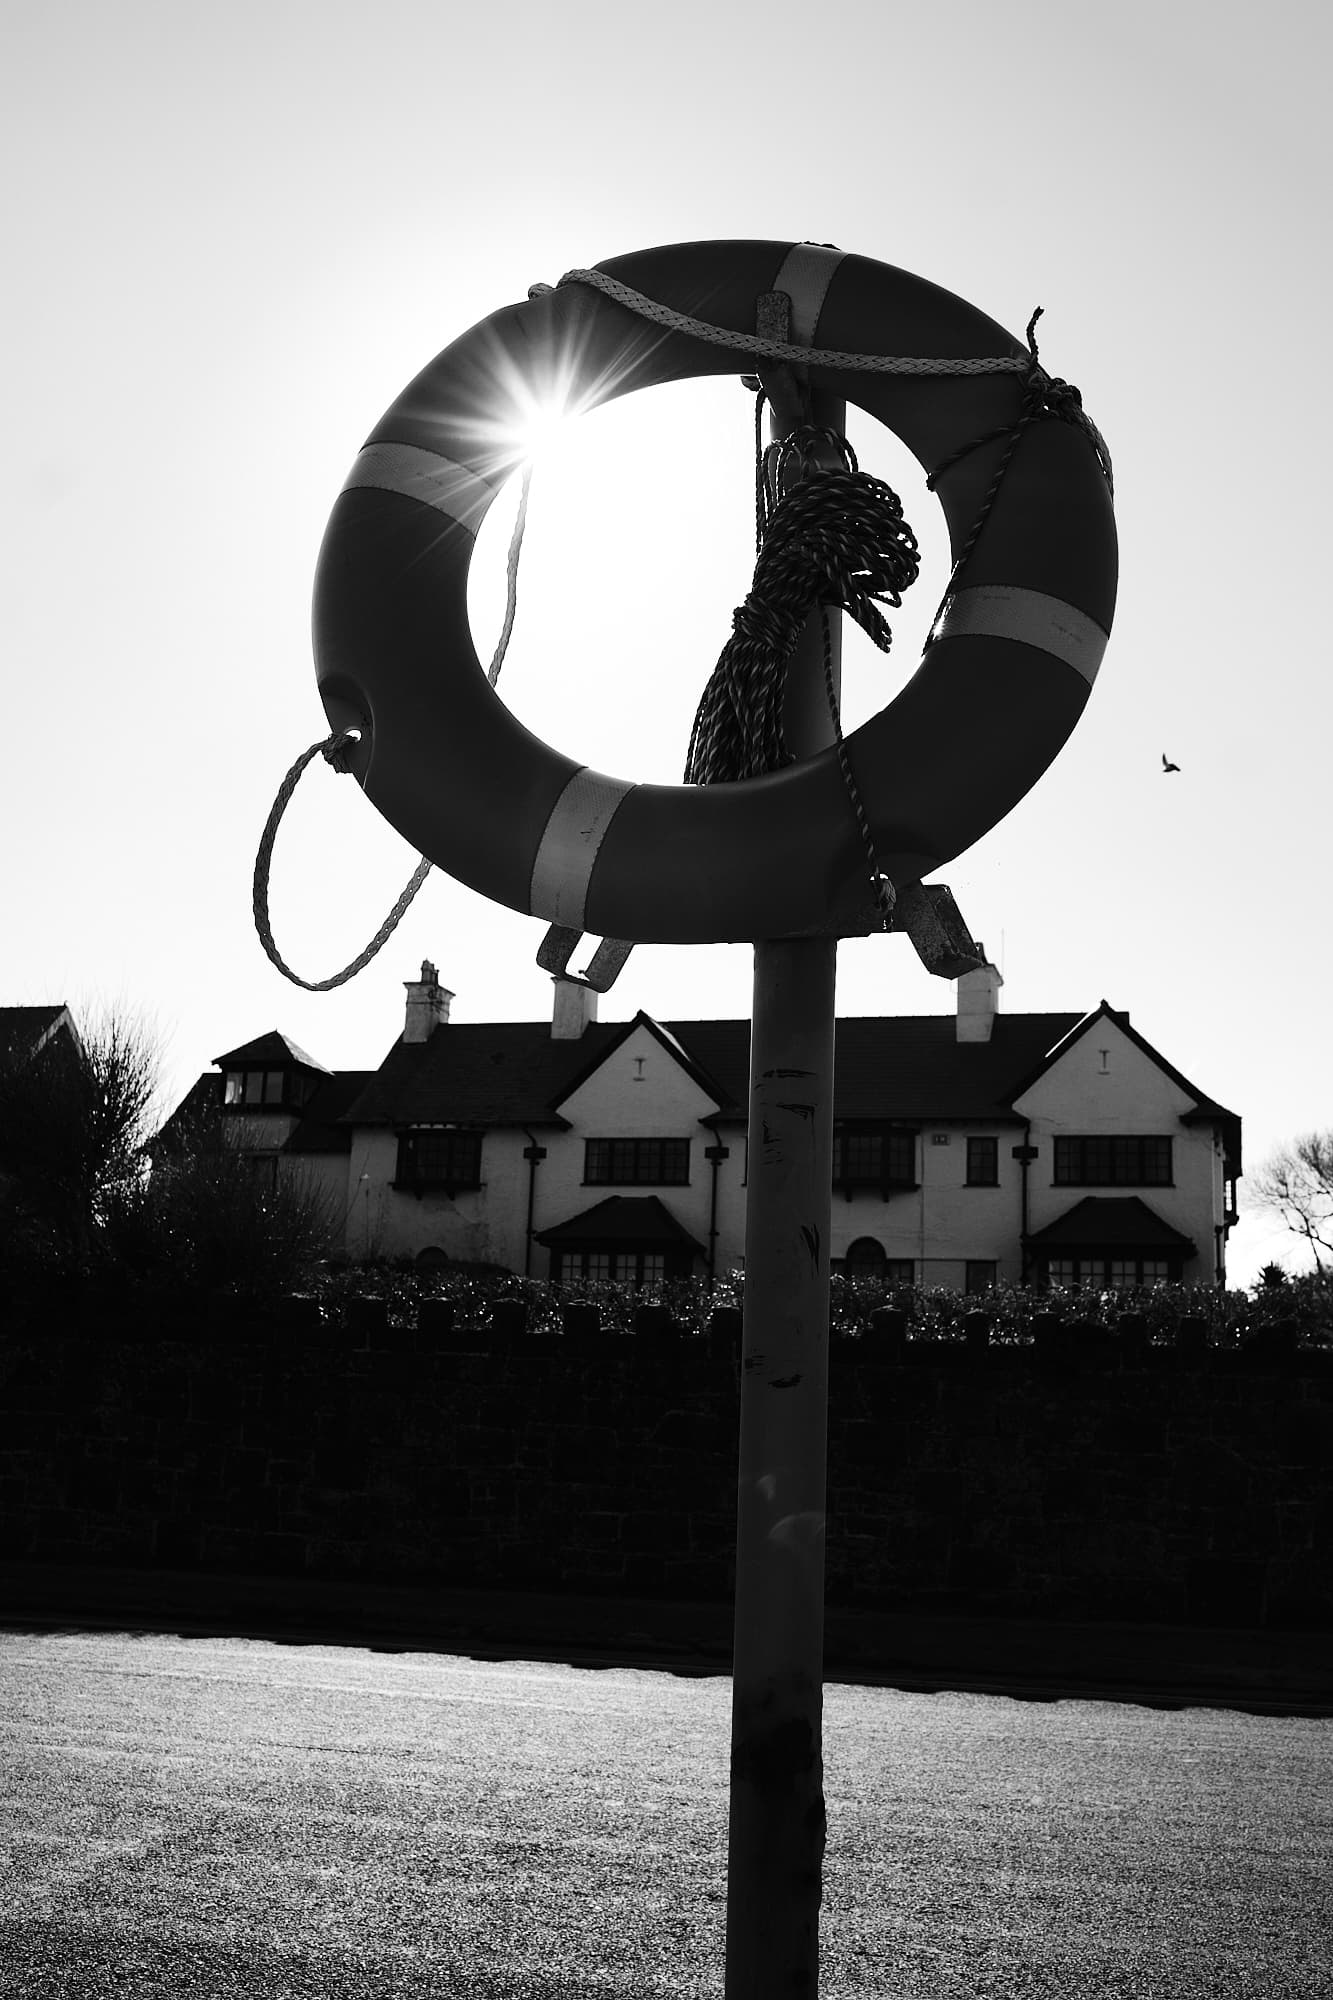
(835, 538)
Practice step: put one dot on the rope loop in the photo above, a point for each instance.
(336, 751)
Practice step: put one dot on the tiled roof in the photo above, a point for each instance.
(637, 1221)
(22, 1027)
(902, 1066)
(480, 1073)
(321, 1129)
(515, 1073)
(200, 1102)
(1109, 1222)
(270, 1048)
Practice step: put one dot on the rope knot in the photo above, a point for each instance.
(1043, 396)
(1060, 398)
(338, 750)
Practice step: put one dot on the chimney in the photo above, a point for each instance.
(575, 1005)
(978, 1001)
(427, 1004)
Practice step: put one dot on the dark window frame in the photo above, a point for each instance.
(987, 1145)
(259, 1087)
(870, 1153)
(636, 1162)
(871, 1270)
(444, 1157)
(1093, 1267)
(1113, 1159)
(676, 1264)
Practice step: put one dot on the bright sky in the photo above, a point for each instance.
(235, 234)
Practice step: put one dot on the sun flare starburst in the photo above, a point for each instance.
(529, 389)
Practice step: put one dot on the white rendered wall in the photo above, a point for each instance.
(941, 1224)
(475, 1225)
(640, 1091)
(1106, 1085)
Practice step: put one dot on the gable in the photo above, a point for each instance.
(1105, 1076)
(644, 1083)
(272, 1048)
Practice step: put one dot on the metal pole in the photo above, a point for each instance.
(776, 1841)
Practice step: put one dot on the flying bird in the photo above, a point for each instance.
(1167, 765)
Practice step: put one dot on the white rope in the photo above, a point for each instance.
(782, 350)
(511, 577)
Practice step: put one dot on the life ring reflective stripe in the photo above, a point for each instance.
(1003, 679)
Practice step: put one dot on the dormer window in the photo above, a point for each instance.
(284, 1089)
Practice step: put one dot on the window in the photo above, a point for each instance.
(983, 1162)
(1113, 1162)
(879, 1156)
(250, 1088)
(637, 1162)
(865, 1259)
(1115, 1274)
(979, 1274)
(444, 1156)
(626, 1267)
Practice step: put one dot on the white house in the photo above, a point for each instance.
(966, 1148)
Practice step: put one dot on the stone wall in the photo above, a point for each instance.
(1080, 1476)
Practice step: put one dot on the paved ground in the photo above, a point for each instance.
(228, 1817)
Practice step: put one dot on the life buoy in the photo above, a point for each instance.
(1003, 679)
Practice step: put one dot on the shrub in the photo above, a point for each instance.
(206, 1220)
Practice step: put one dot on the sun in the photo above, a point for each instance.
(525, 396)
(539, 428)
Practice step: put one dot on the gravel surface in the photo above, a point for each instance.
(222, 1817)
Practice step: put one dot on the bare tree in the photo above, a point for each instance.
(1296, 1183)
(84, 1184)
(75, 1115)
(208, 1218)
